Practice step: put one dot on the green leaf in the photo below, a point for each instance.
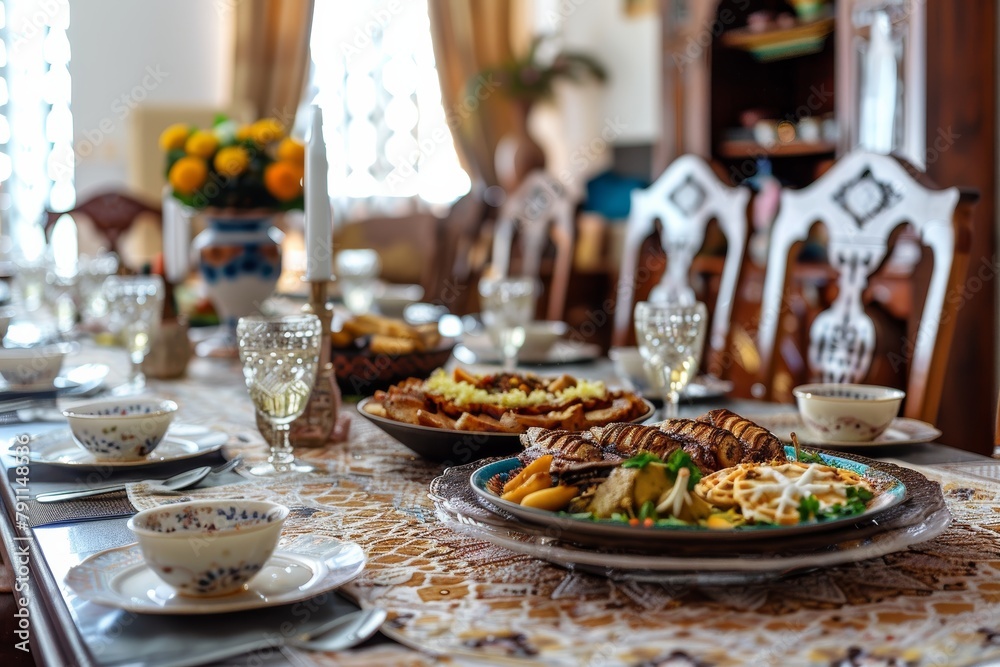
(219, 119)
(641, 460)
(680, 459)
(671, 521)
(810, 457)
(808, 508)
(647, 511)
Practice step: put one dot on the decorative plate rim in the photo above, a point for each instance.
(62, 439)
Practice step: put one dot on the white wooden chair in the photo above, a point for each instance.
(685, 198)
(540, 208)
(861, 200)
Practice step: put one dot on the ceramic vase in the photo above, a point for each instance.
(239, 258)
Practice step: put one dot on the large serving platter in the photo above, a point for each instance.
(920, 517)
(452, 446)
(891, 491)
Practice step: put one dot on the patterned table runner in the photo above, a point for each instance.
(450, 595)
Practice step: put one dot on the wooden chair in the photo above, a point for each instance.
(111, 213)
(862, 200)
(685, 198)
(407, 246)
(540, 208)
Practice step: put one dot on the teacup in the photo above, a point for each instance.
(125, 429)
(847, 412)
(540, 336)
(32, 367)
(208, 548)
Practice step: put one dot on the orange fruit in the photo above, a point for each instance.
(291, 150)
(266, 130)
(201, 144)
(174, 137)
(232, 161)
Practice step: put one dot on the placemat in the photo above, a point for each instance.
(937, 603)
(108, 506)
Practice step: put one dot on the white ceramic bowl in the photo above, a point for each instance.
(627, 362)
(847, 412)
(392, 300)
(32, 367)
(122, 429)
(540, 336)
(207, 548)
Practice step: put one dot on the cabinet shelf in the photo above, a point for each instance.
(741, 149)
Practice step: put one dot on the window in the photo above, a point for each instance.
(36, 125)
(374, 76)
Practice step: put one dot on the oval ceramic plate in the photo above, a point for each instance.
(455, 447)
(902, 431)
(303, 568)
(892, 491)
(183, 441)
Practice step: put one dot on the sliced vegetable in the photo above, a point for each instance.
(536, 482)
(541, 464)
(811, 457)
(552, 499)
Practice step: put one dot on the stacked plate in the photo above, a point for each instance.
(909, 509)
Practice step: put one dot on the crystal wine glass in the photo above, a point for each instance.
(135, 305)
(508, 305)
(279, 358)
(670, 337)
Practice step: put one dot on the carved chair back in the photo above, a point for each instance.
(862, 200)
(540, 209)
(685, 198)
(112, 214)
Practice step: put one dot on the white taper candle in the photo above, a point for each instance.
(318, 222)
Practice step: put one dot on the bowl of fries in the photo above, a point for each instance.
(372, 352)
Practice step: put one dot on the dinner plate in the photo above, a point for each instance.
(922, 516)
(891, 491)
(476, 351)
(183, 441)
(902, 431)
(455, 447)
(71, 382)
(303, 568)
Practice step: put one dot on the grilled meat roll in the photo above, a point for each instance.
(759, 444)
(630, 439)
(727, 448)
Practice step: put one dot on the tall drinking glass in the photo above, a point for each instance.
(357, 271)
(508, 305)
(135, 305)
(279, 358)
(670, 338)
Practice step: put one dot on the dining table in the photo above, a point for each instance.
(453, 598)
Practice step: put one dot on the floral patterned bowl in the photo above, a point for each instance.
(123, 429)
(207, 548)
(847, 412)
(31, 367)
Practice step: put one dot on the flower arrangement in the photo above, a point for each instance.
(254, 166)
(528, 78)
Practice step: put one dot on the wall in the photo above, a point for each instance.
(125, 53)
(588, 120)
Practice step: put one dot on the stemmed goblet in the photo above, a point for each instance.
(508, 305)
(670, 337)
(135, 306)
(279, 358)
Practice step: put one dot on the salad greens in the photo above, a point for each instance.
(855, 503)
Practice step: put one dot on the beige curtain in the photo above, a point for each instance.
(272, 56)
(470, 35)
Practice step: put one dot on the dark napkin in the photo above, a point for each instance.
(107, 506)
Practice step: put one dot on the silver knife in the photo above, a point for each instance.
(337, 634)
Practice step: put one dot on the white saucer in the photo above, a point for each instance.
(305, 567)
(477, 350)
(902, 431)
(183, 441)
(70, 381)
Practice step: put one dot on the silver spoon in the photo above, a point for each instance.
(180, 481)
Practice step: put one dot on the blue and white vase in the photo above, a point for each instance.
(239, 258)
